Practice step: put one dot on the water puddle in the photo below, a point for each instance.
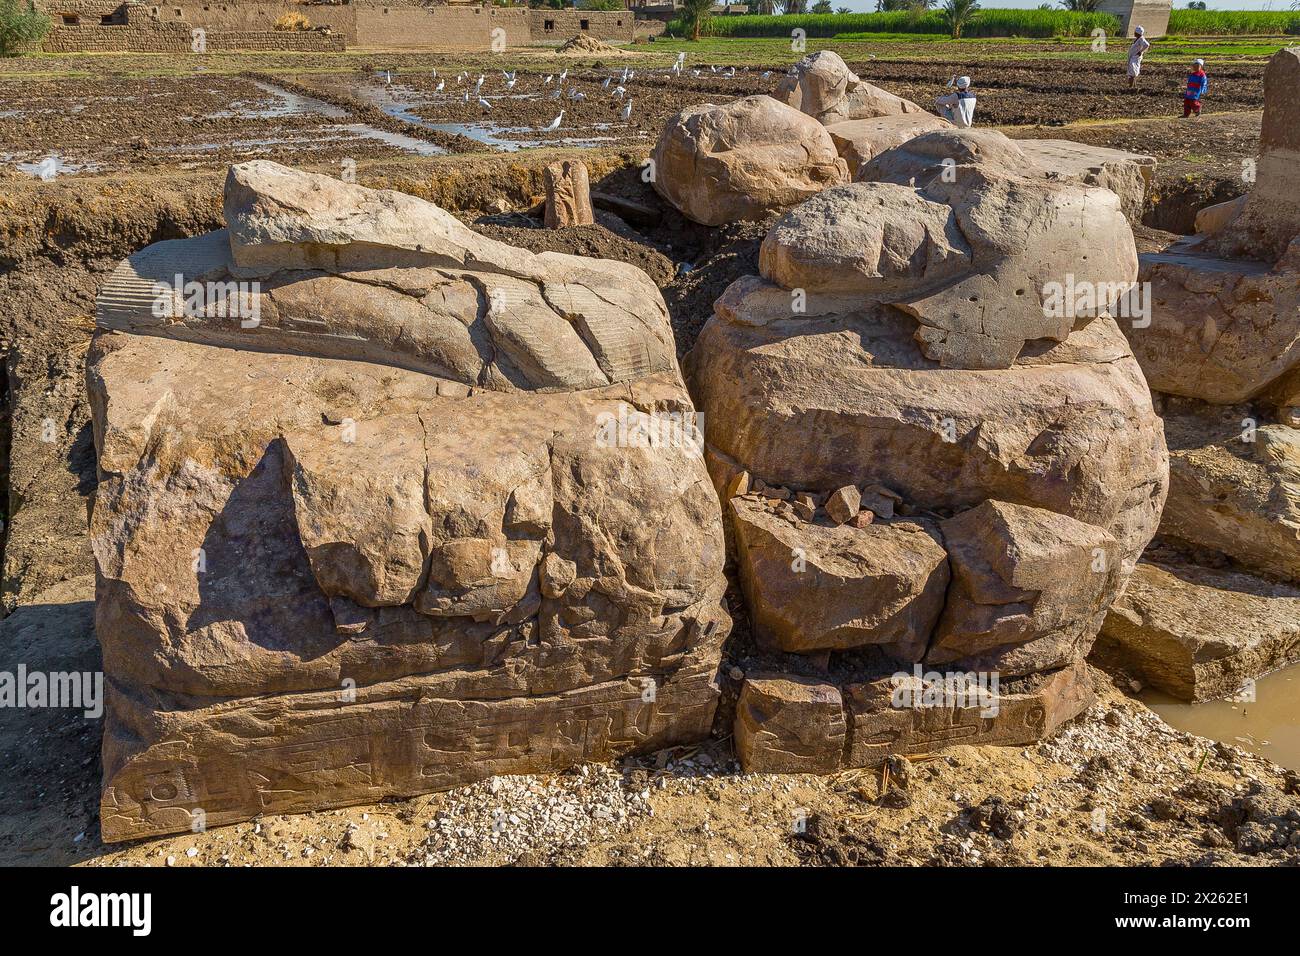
(402, 102)
(54, 166)
(1269, 725)
(287, 104)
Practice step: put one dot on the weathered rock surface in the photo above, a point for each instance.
(805, 725)
(1235, 488)
(1199, 633)
(815, 586)
(1030, 589)
(1270, 220)
(1127, 175)
(898, 344)
(1012, 243)
(743, 160)
(823, 86)
(399, 535)
(861, 140)
(568, 195)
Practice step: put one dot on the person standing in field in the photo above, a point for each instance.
(1197, 83)
(958, 108)
(1140, 45)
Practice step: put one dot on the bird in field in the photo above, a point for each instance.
(556, 95)
(564, 76)
(485, 104)
(467, 96)
(555, 123)
(441, 84)
(619, 92)
(575, 95)
(605, 85)
(479, 85)
(548, 80)
(627, 111)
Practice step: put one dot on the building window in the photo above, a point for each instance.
(582, 25)
(70, 21)
(177, 11)
(548, 24)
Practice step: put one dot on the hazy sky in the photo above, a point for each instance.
(869, 5)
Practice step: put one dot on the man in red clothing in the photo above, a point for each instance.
(1197, 84)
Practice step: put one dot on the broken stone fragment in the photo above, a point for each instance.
(862, 519)
(789, 724)
(843, 503)
(803, 725)
(812, 587)
(1199, 633)
(823, 86)
(880, 501)
(1235, 497)
(743, 160)
(568, 194)
(1030, 589)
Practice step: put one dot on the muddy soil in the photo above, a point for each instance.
(372, 106)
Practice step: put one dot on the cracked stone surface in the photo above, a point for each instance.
(417, 526)
(743, 160)
(884, 347)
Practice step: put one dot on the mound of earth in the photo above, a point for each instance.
(583, 43)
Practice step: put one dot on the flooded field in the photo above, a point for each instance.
(380, 106)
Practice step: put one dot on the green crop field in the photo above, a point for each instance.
(987, 23)
(1234, 23)
(1033, 24)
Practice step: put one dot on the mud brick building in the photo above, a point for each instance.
(162, 27)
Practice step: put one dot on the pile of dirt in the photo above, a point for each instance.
(585, 44)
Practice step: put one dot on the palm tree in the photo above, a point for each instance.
(957, 14)
(1081, 6)
(695, 12)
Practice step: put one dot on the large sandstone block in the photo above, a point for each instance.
(899, 338)
(1234, 496)
(1221, 330)
(823, 401)
(1027, 238)
(1199, 633)
(334, 565)
(861, 140)
(823, 86)
(1127, 175)
(817, 586)
(892, 715)
(1030, 588)
(790, 724)
(743, 160)
(1270, 219)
